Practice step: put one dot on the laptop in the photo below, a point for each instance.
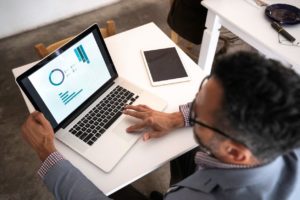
(80, 92)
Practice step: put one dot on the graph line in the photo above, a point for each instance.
(72, 96)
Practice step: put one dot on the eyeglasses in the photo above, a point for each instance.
(283, 41)
(193, 121)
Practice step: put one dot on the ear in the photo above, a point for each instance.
(235, 153)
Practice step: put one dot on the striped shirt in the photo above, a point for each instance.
(202, 160)
(51, 161)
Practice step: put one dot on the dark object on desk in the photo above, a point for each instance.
(283, 14)
(164, 66)
(283, 32)
(187, 18)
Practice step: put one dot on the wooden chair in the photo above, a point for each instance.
(43, 50)
(185, 45)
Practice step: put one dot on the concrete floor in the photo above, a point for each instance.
(18, 163)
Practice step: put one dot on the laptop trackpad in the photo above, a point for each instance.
(120, 129)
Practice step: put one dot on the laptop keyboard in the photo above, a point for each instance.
(102, 116)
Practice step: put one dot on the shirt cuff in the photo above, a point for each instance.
(185, 110)
(51, 160)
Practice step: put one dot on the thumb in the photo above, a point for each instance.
(152, 134)
(40, 118)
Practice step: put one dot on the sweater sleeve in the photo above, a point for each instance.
(66, 182)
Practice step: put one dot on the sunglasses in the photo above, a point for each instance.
(283, 13)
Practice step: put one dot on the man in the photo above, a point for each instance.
(246, 118)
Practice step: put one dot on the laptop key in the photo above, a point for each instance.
(88, 130)
(88, 137)
(83, 136)
(102, 130)
(112, 120)
(98, 135)
(79, 133)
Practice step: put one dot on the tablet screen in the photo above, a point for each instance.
(164, 64)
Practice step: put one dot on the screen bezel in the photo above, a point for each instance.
(107, 58)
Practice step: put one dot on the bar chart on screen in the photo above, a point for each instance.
(66, 97)
(81, 54)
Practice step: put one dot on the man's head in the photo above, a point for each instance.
(254, 103)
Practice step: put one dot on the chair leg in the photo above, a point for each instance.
(111, 27)
(174, 37)
(41, 50)
(104, 32)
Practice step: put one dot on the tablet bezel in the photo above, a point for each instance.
(164, 82)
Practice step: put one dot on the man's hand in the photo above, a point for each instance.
(39, 134)
(158, 123)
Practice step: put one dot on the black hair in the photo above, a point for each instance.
(261, 103)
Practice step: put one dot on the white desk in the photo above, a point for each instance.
(144, 157)
(250, 24)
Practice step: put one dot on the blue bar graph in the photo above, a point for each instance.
(81, 54)
(66, 98)
(62, 95)
(78, 55)
(84, 54)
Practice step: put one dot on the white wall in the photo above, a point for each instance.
(20, 15)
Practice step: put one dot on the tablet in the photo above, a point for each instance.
(164, 66)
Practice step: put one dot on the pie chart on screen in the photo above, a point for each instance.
(56, 77)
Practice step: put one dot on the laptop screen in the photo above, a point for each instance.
(62, 84)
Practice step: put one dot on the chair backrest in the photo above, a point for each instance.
(43, 50)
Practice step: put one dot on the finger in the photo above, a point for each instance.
(146, 136)
(136, 127)
(29, 125)
(30, 121)
(139, 115)
(138, 108)
(152, 134)
(24, 128)
(40, 119)
(34, 117)
(145, 106)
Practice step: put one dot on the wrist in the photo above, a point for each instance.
(177, 120)
(44, 153)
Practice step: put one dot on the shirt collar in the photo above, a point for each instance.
(205, 161)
